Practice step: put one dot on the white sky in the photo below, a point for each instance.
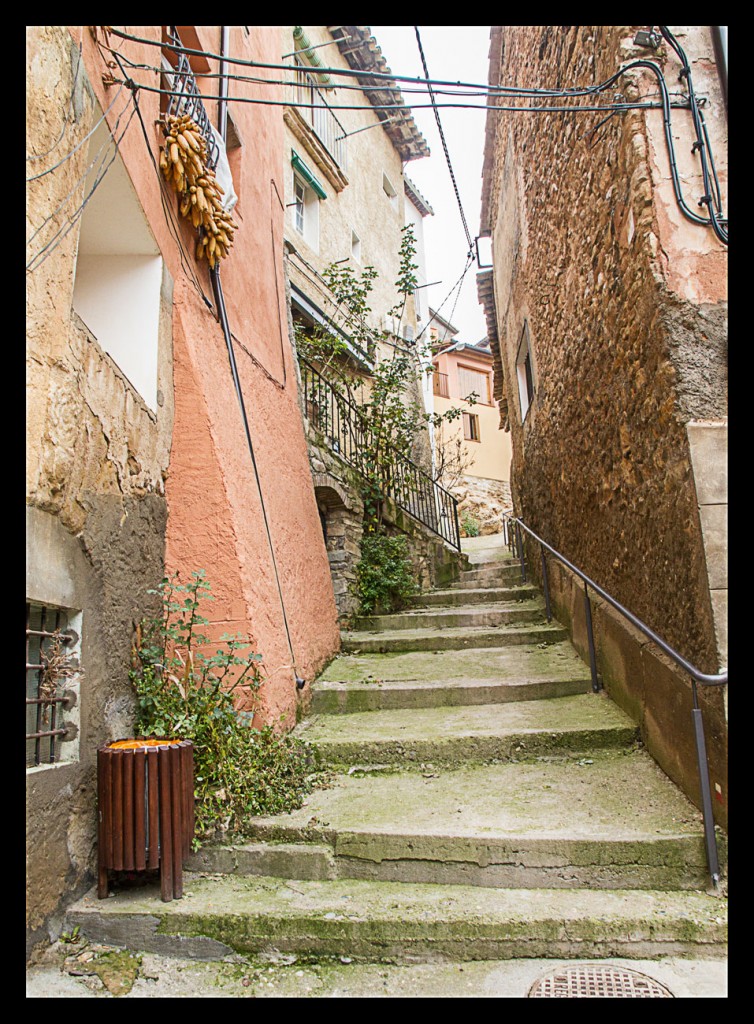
(453, 53)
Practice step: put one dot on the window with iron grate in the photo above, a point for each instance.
(52, 684)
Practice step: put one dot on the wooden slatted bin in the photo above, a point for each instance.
(146, 809)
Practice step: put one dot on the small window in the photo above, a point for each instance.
(471, 427)
(525, 372)
(52, 683)
(306, 212)
(355, 247)
(389, 189)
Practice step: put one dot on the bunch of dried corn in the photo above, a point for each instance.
(183, 163)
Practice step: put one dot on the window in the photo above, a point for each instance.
(118, 280)
(355, 247)
(476, 381)
(307, 193)
(389, 190)
(471, 427)
(525, 372)
(52, 647)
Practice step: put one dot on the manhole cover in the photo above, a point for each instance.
(593, 980)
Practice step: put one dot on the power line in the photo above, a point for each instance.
(442, 139)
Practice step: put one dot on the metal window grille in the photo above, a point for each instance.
(45, 700)
(186, 99)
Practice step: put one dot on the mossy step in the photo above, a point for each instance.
(371, 920)
(479, 595)
(384, 694)
(368, 682)
(471, 733)
(452, 638)
(497, 614)
(505, 572)
(555, 822)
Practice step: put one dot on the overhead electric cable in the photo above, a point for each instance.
(442, 139)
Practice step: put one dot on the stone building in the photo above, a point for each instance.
(139, 454)
(347, 201)
(607, 315)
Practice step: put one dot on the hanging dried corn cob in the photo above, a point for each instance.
(183, 162)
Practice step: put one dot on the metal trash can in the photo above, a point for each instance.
(146, 810)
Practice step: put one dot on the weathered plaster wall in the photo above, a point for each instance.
(97, 457)
(96, 509)
(361, 206)
(625, 352)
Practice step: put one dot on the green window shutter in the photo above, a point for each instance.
(300, 167)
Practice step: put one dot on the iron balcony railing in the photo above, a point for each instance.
(348, 434)
(512, 528)
(314, 109)
(186, 99)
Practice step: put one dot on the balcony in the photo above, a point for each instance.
(440, 385)
(315, 125)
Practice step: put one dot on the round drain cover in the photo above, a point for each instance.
(594, 980)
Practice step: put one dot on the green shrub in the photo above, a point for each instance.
(470, 525)
(186, 689)
(384, 575)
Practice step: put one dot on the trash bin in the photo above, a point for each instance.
(146, 809)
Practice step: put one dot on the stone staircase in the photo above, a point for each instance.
(484, 804)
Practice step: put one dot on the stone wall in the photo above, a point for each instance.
(482, 501)
(588, 255)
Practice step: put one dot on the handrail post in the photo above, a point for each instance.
(545, 585)
(521, 552)
(590, 638)
(710, 840)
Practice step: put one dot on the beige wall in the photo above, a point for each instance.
(491, 456)
(361, 205)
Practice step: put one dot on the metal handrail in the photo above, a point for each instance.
(348, 432)
(311, 104)
(515, 541)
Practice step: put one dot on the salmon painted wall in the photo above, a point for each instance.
(215, 518)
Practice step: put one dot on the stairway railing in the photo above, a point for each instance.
(348, 433)
(512, 528)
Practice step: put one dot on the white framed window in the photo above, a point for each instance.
(355, 247)
(525, 372)
(307, 193)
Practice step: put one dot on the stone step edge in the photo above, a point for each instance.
(318, 852)
(404, 920)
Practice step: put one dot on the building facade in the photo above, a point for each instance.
(147, 453)
(608, 310)
(473, 450)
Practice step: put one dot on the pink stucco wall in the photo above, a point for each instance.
(215, 519)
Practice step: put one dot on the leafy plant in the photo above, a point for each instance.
(384, 575)
(189, 688)
(470, 525)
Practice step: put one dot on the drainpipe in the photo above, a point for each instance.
(720, 43)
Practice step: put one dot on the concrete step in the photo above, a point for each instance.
(420, 679)
(496, 614)
(451, 735)
(467, 596)
(568, 822)
(490, 575)
(452, 638)
(371, 920)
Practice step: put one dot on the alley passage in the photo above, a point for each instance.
(485, 804)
